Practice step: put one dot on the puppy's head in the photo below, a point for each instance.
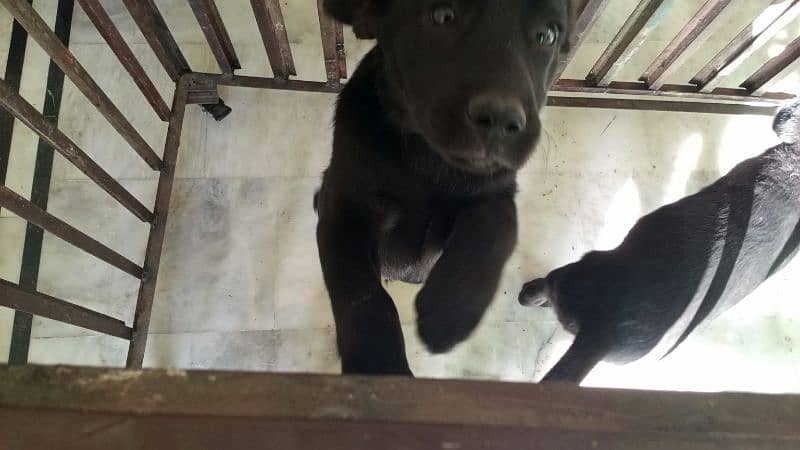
(787, 122)
(469, 76)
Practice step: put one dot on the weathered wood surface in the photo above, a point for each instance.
(70, 408)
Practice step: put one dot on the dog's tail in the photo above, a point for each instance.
(787, 123)
(584, 353)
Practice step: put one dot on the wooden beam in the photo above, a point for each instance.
(627, 41)
(587, 16)
(155, 242)
(14, 297)
(774, 19)
(759, 82)
(71, 408)
(99, 17)
(269, 19)
(216, 34)
(24, 13)
(683, 44)
(46, 221)
(151, 23)
(332, 34)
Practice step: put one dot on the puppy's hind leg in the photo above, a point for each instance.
(584, 353)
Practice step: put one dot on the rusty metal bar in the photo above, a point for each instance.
(269, 19)
(42, 219)
(332, 34)
(668, 90)
(587, 17)
(759, 82)
(26, 113)
(216, 34)
(14, 297)
(155, 242)
(272, 83)
(774, 19)
(679, 48)
(99, 17)
(155, 30)
(24, 13)
(661, 105)
(761, 106)
(627, 42)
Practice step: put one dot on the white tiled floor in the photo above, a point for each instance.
(240, 285)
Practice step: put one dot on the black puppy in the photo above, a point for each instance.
(680, 265)
(429, 134)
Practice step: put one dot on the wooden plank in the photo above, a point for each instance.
(269, 19)
(587, 16)
(332, 34)
(155, 242)
(99, 17)
(626, 43)
(14, 297)
(759, 82)
(42, 219)
(774, 19)
(67, 408)
(27, 114)
(24, 13)
(216, 34)
(683, 44)
(155, 30)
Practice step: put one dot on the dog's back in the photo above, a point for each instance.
(680, 265)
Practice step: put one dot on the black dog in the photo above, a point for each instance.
(680, 265)
(430, 132)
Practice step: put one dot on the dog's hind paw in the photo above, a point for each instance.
(535, 293)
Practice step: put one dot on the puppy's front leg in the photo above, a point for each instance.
(464, 280)
(368, 332)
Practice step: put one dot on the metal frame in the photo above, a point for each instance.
(702, 95)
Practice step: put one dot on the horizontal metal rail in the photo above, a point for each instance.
(46, 221)
(14, 297)
(27, 114)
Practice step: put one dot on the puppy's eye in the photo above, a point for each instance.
(549, 37)
(443, 14)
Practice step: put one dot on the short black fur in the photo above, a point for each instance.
(429, 134)
(681, 265)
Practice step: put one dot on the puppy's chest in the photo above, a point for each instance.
(410, 238)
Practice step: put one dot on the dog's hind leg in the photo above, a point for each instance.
(584, 353)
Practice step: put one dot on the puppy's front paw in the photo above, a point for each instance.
(443, 323)
(535, 293)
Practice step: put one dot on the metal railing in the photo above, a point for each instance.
(702, 94)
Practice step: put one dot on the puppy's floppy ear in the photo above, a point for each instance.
(361, 14)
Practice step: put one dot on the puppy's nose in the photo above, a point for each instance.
(497, 117)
